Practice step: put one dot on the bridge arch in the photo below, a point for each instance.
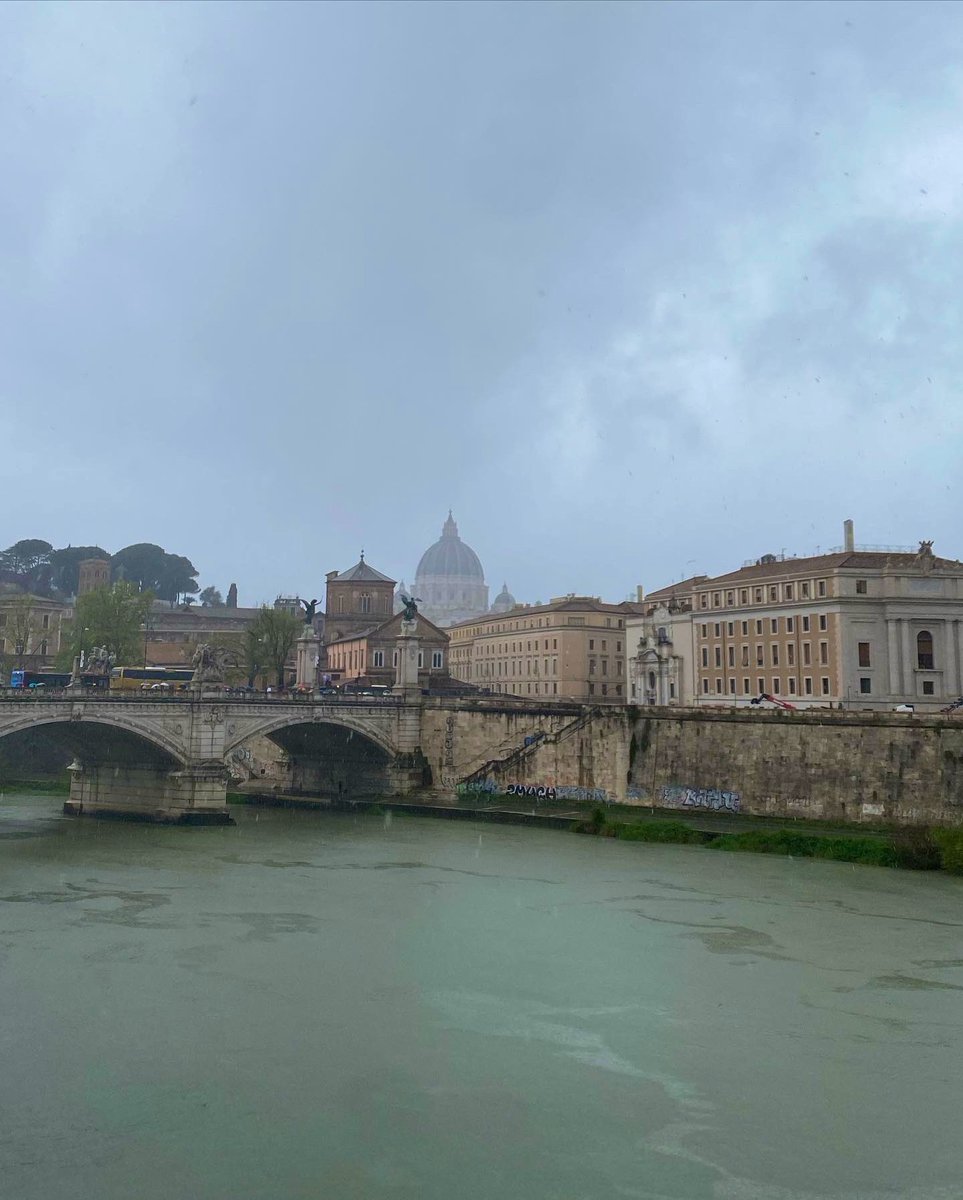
(235, 737)
(75, 732)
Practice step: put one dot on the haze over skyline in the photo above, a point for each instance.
(637, 291)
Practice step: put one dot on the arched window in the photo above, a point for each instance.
(365, 602)
(924, 650)
(341, 604)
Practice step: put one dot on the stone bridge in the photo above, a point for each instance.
(167, 758)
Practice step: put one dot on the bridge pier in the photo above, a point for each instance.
(186, 796)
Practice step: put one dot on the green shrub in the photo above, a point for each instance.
(662, 831)
(871, 851)
(949, 843)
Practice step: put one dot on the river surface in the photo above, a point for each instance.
(322, 1006)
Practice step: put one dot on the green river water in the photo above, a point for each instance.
(314, 1005)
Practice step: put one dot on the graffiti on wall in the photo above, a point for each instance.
(477, 785)
(713, 799)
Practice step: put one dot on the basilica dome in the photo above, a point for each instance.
(450, 556)
(450, 581)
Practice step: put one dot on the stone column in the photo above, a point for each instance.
(893, 652)
(909, 679)
(406, 675)
(308, 655)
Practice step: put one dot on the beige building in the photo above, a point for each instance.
(861, 628)
(571, 648)
(370, 656)
(33, 631)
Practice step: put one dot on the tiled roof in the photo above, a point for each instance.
(566, 604)
(682, 588)
(870, 560)
(361, 572)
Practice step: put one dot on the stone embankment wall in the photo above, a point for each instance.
(818, 764)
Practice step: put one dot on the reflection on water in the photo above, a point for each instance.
(312, 1005)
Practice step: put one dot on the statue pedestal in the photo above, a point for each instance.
(406, 674)
(308, 657)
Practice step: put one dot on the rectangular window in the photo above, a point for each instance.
(605, 666)
(790, 625)
(774, 593)
(824, 653)
(775, 655)
(705, 686)
(46, 620)
(605, 645)
(421, 659)
(715, 599)
(591, 644)
(863, 651)
(732, 686)
(729, 597)
(718, 687)
(591, 666)
(808, 685)
(745, 628)
(825, 685)
(774, 625)
(775, 685)
(823, 622)
(718, 656)
(759, 629)
(760, 661)
(928, 689)
(861, 587)
(758, 595)
(761, 686)
(744, 596)
(865, 686)
(703, 601)
(745, 656)
(705, 656)
(805, 626)
(792, 685)
(729, 628)
(791, 655)
(732, 656)
(718, 629)
(745, 687)
(807, 654)
(437, 658)
(821, 587)
(804, 589)
(705, 630)
(788, 591)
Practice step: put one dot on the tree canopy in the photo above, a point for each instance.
(152, 569)
(65, 566)
(269, 641)
(113, 617)
(210, 597)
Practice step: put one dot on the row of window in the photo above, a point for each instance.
(774, 690)
(772, 593)
(788, 626)
(44, 620)
(513, 626)
(774, 652)
(487, 670)
(437, 659)
(42, 650)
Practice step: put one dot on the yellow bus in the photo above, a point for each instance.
(144, 679)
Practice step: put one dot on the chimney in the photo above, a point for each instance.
(639, 594)
(849, 539)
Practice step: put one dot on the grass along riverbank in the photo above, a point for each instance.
(917, 849)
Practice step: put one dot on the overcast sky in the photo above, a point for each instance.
(636, 290)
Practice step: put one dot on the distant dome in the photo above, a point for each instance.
(450, 556)
(504, 600)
